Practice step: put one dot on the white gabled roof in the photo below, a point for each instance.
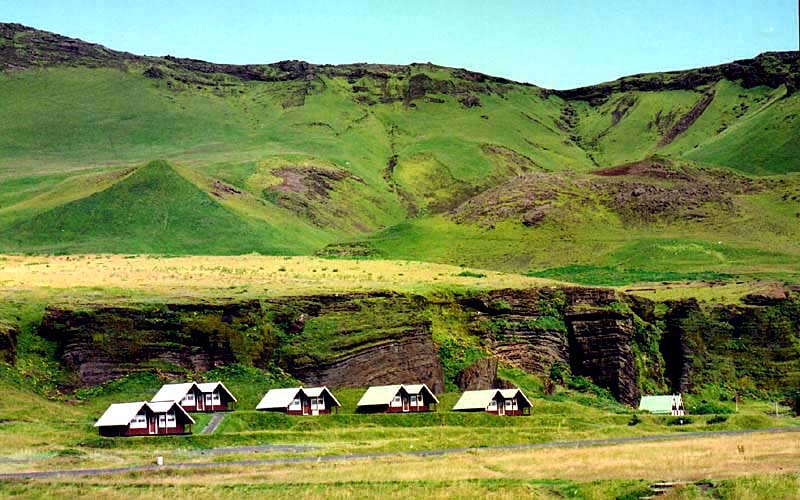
(278, 398)
(123, 413)
(173, 392)
(119, 414)
(475, 400)
(379, 395)
(211, 386)
(512, 393)
(315, 392)
(417, 388)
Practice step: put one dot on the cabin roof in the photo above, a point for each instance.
(379, 395)
(122, 413)
(173, 392)
(278, 398)
(418, 389)
(659, 404)
(315, 392)
(176, 392)
(512, 393)
(474, 400)
(478, 400)
(281, 398)
(212, 386)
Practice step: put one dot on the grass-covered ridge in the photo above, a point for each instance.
(371, 160)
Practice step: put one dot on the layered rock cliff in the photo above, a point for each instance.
(625, 344)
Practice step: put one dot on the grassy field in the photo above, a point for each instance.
(753, 466)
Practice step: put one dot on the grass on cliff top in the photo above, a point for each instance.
(237, 276)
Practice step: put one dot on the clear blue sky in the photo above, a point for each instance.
(556, 44)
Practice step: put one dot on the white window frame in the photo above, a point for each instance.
(215, 397)
(492, 406)
(296, 404)
(397, 401)
(188, 399)
(139, 421)
(509, 405)
(162, 421)
(172, 422)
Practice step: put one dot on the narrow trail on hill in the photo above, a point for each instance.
(212, 425)
(363, 456)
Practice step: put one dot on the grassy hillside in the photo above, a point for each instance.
(296, 158)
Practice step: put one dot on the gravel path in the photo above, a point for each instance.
(212, 425)
(363, 456)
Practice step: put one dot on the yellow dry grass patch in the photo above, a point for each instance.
(726, 293)
(247, 275)
(690, 459)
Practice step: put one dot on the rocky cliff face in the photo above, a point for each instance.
(104, 343)
(8, 341)
(624, 344)
(743, 347)
(359, 340)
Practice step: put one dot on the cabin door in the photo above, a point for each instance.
(405, 403)
(306, 406)
(152, 424)
(501, 408)
(199, 403)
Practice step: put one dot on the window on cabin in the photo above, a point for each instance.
(413, 400)
(139, 421)
(397, 401)
(492, 405)
(508, 404)
(215, 397)
(171, 419)
(188, 398)
(295, 404)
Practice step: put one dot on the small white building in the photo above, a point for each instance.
(299, 401)
(511, 402)
(144, 418)
(194, 397)
(399, 398)
(663, 405)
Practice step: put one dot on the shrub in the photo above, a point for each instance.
(635, 419)
(470, 274)
(679, 421)
(711, 408)
(717, 419)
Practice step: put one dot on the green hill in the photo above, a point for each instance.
(152, 210)
(421, 161)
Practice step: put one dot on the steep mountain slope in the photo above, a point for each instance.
(417, 161)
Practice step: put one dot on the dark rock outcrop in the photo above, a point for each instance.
(478, 376)
(772, 69)
(410, 359)
(8, 343)
(600, 348)
(103, 343)
(358, 340)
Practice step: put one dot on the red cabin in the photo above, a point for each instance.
(144, 419)
(300, 401)
(401, 398)
(510, 402)
(193, 397)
